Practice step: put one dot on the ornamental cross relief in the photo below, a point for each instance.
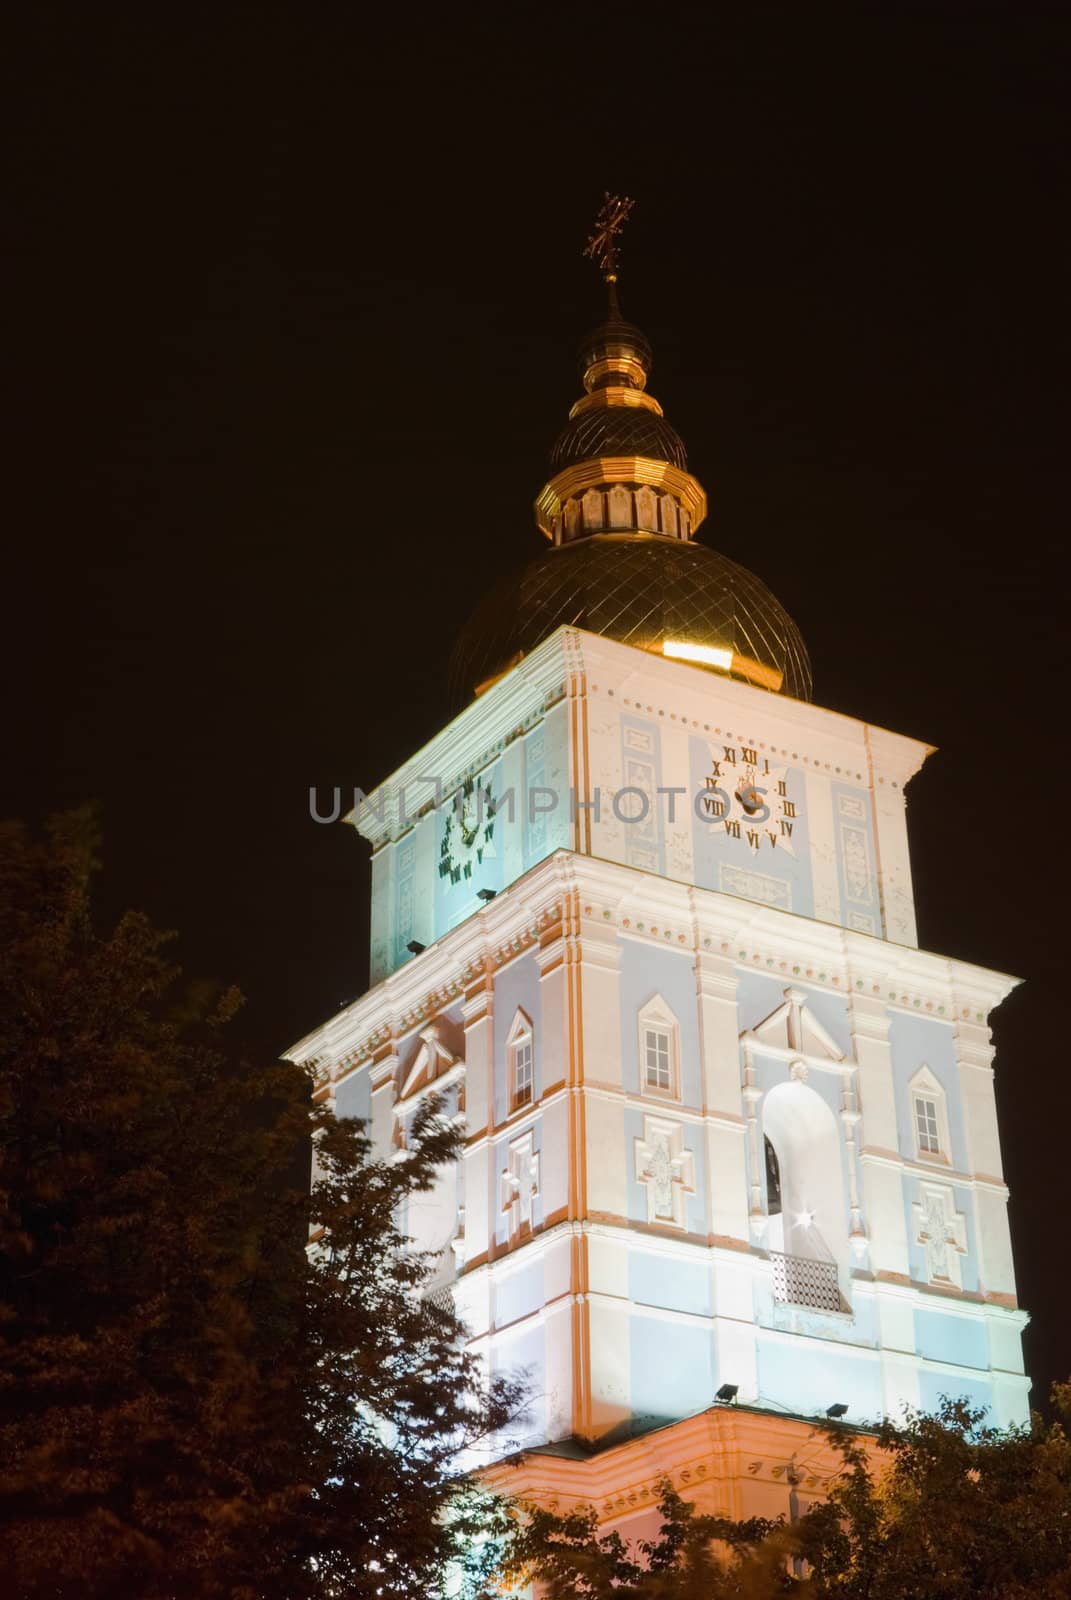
(665, 1169)
(520, 1183)
(942, 1232)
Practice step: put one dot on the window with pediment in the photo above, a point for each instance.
(929, 1117)
(520, 1060)
(659, 1050)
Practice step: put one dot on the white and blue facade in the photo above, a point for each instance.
(725, 1122)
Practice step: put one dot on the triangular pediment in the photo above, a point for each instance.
(434, 1056)
(793, 1026)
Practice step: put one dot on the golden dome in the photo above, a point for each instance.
(621, 511)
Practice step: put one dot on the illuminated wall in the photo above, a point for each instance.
(770, 1214)
(657, 765)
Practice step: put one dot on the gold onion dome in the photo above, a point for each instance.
(620, 511)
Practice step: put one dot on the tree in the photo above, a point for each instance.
(958, 1510)
(695, 1557)
(192, 1404)
(953, 1510)
(394, 1515)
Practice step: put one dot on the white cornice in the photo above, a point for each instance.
(642, 906)
(512, 705)
(570, 662)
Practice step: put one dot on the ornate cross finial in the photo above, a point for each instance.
(602, 246)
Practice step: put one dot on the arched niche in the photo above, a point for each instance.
(432, 1217)
(805, 1135)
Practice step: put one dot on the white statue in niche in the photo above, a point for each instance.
(647, 510)
(594, 510)
(620, 507)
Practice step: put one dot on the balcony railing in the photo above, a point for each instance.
(442, 1297)
(805, 1281)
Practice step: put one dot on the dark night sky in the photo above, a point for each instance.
(292, 297)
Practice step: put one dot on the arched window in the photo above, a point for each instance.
(807, 1233)
(659, 1050)
(929, 1117)
(520, 1061)
(773, 1181)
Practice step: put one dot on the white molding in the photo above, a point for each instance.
(707, 918)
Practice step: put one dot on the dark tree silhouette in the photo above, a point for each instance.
(950, 1510)
(191, 1403)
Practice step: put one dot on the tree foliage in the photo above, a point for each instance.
(389, 1466)
(950, 1510)
(694, 1557)
(191, 1404)
(959, 1510)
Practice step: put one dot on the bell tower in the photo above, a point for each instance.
(643, 915)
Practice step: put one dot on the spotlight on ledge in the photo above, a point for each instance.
(415, 946)
(727, 1393)
(837, 1411)
(486, 894)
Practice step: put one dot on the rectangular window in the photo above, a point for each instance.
(523, 1075)
(926, 1125)
(656, 1049)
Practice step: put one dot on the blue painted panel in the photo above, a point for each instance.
(479, 864)
(695, 1206)
(524, 1350)
(671, 1369)
(866, 1328)
(943, 1336)
(759, 993)
(407, 889)
(857, 860)
(518, 1294)
(917, 1041)
(424, 903)
(800, 1376)
(647, 971)
(756, 996)
(659, 1280)
(641, 770)
(546, 768)
(777, 871)
(521, 1354)
(932, 1385)
(353, 1097)
(517, 987)
(831, 1010)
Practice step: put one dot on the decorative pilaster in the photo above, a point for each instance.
(726, 1113)
(880, 1161)
(478, 1184)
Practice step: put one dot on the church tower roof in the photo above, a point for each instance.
(621, 511)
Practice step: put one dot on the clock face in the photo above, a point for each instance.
(758, 802)
(469, 831)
